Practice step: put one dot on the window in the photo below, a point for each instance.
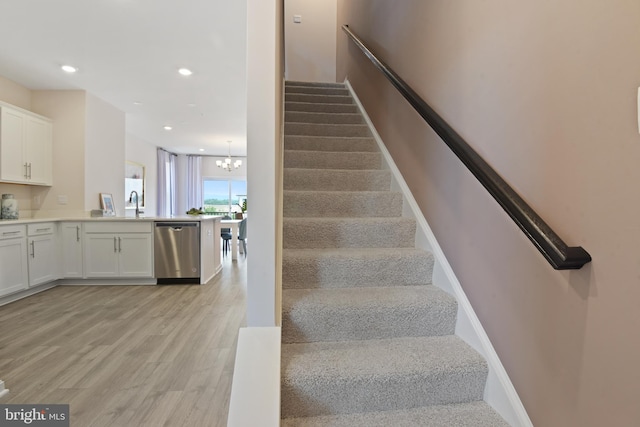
(222, 196)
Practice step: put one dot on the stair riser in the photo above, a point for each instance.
(342, 204)
(339, 270)
(320, 108)
(468, 414)
(348, 395)
(302, 233)
(430, 314)
(321, 180)
(331, 160)
(321, 143)
(313, 129)
(324, 118)
(320, 99)
(293, 83)
(316, 90)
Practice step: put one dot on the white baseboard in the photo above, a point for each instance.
(255, 391)
(27, 292)
(3, 391)
(107, 282)
(499, 391)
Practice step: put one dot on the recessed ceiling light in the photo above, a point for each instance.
(168, 128)
(69, 68)
(201, 149)
(137, 103)
(185, 71)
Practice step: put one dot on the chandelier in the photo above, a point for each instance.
(226, 164)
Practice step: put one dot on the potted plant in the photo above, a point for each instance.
(243, 208)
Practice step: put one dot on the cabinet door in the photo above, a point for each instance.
(38, 150)
(12, 164)
(136, 252)
(100, 255)
(42, 262)
(71, 234)
(13, 265)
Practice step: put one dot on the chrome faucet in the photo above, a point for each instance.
(137, 206)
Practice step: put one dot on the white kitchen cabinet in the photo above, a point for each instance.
(39, 150)
(13, 260)
(42, 251)
(12, 125)
(71, 254)
(26, 147)
(115, 249)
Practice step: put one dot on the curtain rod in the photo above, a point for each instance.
(167, 151)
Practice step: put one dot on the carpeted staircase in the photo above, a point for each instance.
(366, 339)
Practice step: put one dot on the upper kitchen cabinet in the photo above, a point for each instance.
(26, 147)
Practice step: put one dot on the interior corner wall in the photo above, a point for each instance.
(15, 94)
(310, 46)
(143, 152)
(279, 156)
(546, 92)
(67, 109)
(263, 59)
(104, 154)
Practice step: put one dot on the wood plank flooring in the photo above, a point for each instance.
(127, 355)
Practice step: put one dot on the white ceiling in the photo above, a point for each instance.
(130, 51)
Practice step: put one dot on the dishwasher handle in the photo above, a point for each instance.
(177, 225)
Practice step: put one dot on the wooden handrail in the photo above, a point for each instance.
(550, 245)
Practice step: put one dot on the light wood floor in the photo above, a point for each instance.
(127, 355)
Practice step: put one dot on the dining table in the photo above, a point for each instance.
(233, 224)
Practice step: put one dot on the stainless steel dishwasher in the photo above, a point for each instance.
(177, 252)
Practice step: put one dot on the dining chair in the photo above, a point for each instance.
(225, 233)
(242, 235)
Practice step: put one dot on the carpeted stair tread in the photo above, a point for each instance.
(332, 160)
(327, 129)
(471, 414)
(357, 267)
(295, 83)
(323, 143)
(320, 108)
(336, 180)
(324, 378)
(320, 99)
(342, 203)
(310, 315)
(314, 90)
(313, 117)
(310, 233)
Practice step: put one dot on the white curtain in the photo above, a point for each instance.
(194, 182)
(166, 183)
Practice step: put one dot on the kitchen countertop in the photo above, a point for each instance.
(183, 218)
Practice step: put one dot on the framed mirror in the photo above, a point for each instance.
(134, 180)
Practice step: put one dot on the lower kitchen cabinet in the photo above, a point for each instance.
(108, 254)
(71, 257)
(41, 248)
(13, 260)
